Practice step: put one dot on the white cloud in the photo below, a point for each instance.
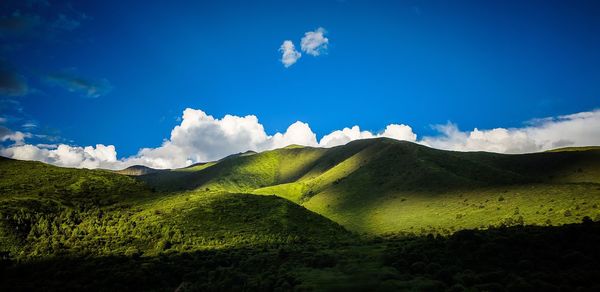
(341, 137)
(495, 140)
(17, 137)
(314, 43)
(29, 125)
(399, 132)
(200, 137)
(289, 53)
(100, 156)
(579, 129)
(298, 133)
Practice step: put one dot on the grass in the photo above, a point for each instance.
(447, 212)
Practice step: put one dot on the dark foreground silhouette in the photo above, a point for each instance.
(518, 258)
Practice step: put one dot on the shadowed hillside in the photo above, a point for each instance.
(519, 258)
(137, 170)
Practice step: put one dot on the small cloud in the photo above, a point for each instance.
(65, 23)
(29, 125)
(11, 83)
(290, 55)
(314, 43)
(36, 20)
(76, 84)
(2, 120)
(47, 146)
(17, 137)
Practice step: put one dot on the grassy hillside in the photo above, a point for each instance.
(47, 210)
(384, 185)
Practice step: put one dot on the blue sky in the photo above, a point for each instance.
(107, 72)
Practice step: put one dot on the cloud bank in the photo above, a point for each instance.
(100, 156)
(201, 137)
(578, 129)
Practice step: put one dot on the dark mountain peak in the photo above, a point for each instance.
(137, 170)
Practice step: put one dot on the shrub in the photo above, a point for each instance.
(418, 267)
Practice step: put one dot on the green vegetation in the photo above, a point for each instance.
(373, 214)
(382, 185)
(73, 211)
(516, 258)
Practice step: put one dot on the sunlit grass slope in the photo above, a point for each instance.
(240, 173)
(384, 185)
(47, 210)
(582, 148)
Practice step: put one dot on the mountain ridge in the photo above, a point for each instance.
(367, 176)
(383, 185)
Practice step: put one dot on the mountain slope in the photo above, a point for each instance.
(137, 170)
(80, 229)
(385, 185)
(47, 210)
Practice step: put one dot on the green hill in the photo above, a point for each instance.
(52, 210)
(383, 185)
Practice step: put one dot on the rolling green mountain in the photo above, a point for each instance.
(295, 217)
(384, 185)
(49, 210)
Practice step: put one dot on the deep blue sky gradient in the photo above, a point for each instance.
(476, 63)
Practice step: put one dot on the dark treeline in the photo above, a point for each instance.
(517, 258)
